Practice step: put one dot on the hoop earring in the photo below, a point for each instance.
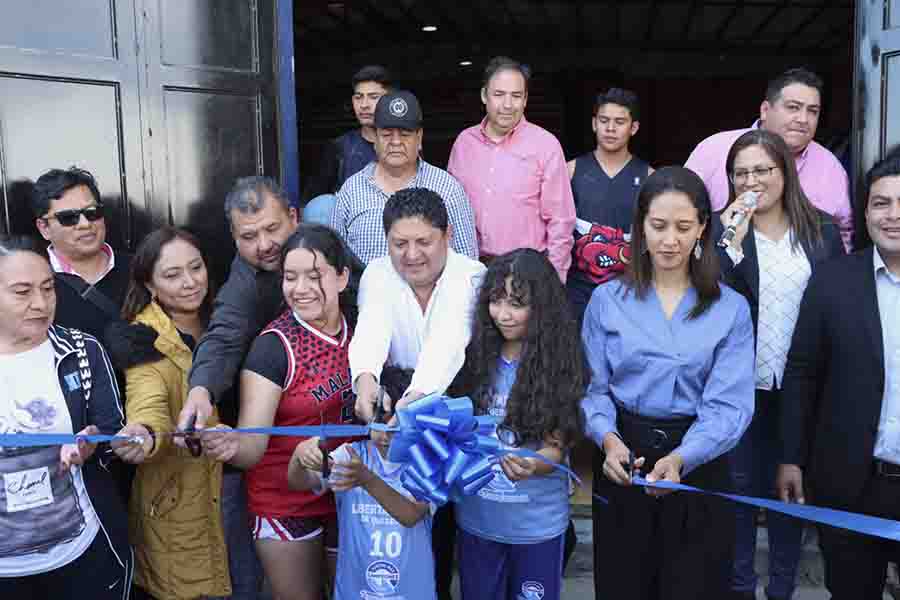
(698, 250)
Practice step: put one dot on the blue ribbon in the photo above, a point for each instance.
(22, 440)
(865, 524)
(449, 452)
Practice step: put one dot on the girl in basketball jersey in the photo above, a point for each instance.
(296, 373)
(385, 534)
(525, 366)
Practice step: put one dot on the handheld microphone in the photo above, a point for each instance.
(737, 218)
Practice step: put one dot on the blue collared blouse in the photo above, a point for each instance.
(671, 368)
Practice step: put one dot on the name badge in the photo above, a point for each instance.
(27, 489)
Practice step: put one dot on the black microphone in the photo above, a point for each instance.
(737, 217)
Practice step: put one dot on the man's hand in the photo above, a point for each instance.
(199, 403)
(366, 394)
(77, 454)
(349, 475)
(668, 468)
(789, 484)
(220, 443)
(617, 457)
(408, 398)
(308, 454)
(130, 452)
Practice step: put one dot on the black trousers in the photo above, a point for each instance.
(676, 547)
(443, 544)
(96, 574)
(856, 565)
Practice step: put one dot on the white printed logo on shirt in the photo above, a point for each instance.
(27, 489)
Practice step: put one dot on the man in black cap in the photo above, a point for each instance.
(361, 200)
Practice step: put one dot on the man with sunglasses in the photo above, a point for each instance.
(91, 278)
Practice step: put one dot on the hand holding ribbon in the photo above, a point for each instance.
(449, 451)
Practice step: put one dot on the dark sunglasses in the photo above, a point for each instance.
(70, 218)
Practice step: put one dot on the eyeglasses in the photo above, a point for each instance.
(740, 176)
(70, 218)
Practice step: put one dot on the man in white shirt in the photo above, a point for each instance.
(414, 304)
(415, 308)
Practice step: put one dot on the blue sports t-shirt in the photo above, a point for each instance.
(380, 559)
(524, 512)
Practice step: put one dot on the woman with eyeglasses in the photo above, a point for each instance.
(175, 507)
(769, 262)
(63, 527)
(671, 353)
(525, 366)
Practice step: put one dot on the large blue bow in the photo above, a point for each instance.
(448, 451)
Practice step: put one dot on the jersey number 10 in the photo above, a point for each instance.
(390, 544)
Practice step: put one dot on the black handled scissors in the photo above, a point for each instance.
(629, 468)
(190, 437)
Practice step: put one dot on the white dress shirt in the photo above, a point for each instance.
(887, 285)
(393, 330)
(784, 272)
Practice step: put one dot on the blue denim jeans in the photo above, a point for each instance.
(753, 466)
(319, 209)
(246, 572)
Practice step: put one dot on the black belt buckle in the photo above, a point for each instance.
(657, 439)
(886, 469)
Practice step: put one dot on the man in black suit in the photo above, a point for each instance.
(840, 424)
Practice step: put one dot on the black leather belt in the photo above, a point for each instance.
(886, 469)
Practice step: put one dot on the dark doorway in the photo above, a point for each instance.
(698, 66)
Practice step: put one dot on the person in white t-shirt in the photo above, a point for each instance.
(63, 531)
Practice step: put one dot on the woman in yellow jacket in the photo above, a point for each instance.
(175, 517)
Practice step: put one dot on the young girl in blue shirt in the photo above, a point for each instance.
(525, 366)
(384, 533)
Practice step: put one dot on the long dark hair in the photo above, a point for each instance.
(144, 261)
(805, 225)
(315, 237)
(552, 375)
(704, 273)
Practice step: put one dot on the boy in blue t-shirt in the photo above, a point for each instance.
(384, 533)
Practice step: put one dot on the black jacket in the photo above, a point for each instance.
(248, 301)
(744, 278)
(75, 311)
(99, 406)
(834, 381)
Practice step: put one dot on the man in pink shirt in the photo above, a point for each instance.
(791, 109)
(515, 173)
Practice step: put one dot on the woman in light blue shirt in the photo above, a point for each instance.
(671, 354)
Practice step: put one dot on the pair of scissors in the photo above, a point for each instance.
(190, 437)
(630, 469)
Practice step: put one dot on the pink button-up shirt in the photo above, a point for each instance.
(520, 191)
(822, 177)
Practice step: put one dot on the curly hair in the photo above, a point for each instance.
(552, 375)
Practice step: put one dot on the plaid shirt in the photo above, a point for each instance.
(360, 203)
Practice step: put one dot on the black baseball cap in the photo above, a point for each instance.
(399, 110)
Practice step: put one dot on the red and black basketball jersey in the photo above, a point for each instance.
(316, 389)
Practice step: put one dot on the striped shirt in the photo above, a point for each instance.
(357, 216)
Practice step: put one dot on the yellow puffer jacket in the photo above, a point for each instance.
(175, 516)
